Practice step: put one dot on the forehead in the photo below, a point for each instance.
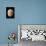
(10, 10)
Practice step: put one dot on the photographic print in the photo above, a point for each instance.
(10, 12)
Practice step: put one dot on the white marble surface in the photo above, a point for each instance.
(41, 27)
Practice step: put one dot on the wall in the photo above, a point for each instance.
(31, 11)
(7, 25)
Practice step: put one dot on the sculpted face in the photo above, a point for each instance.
(10, 12)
